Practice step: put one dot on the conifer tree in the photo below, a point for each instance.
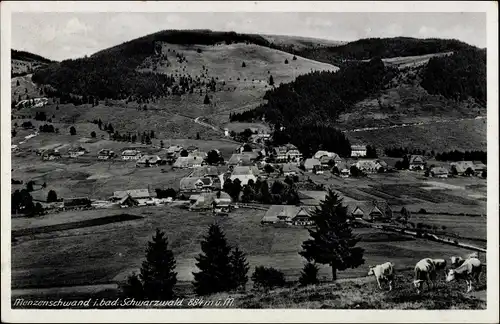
(271, 80)
(239, 269)
(157, 277)
(214, 264)
(332, 241)
(309, 275)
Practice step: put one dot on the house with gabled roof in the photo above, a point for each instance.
(245, 174)
(288, 214)
(439, 172)
(105, 154)
(208, 201)
(184, 162)
(131, 155)
(462, 166)
(372, 211)
(311, 164)
(148, 160)
(417, 162)
(140, 195)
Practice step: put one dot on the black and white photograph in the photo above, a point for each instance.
(250, 156)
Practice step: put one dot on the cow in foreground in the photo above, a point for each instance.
(470, 271)
(440, 265)
(425, 271)
(457, 261)
(383, 273)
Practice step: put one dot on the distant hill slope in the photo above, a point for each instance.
(297, 43)
(365, 49)
(23, 62)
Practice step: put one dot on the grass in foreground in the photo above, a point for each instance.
(364, 294)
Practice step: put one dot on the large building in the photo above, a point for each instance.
(358, 150)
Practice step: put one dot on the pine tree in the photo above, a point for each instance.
(51, 196)
(239, 269)
(72, 130)
(214, 264)
(157, 273)
(309, 275)
(271, 80)
(206, 101)
(133, 288)
(332, 241)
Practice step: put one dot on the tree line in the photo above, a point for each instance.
(260, 191)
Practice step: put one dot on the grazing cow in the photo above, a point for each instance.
(383, 272)
(457, 261)
(470, 270)
(425, 271)
(440, 264)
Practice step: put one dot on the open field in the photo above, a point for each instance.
(462, 135)
(62, 258)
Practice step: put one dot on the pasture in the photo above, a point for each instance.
(61, 258)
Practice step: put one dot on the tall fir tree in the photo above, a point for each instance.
(332, 241)
(214, 264)
(239, 269)
(157, 273)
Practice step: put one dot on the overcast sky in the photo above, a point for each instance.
(64, 35)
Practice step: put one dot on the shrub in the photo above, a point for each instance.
(309, 275)
(267, 278)
(51, 196)
(422, 211)
(93, 134)
(72, 130)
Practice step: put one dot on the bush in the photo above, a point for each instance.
(267, 278)
(93, 134)
(51, 196)
(309, 275)
(422, 211)
(72, 130)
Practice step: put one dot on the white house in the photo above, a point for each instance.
(358, 150)
(131, 155)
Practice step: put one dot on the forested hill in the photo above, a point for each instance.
(459, 76)
(27, 56)
(365, 49)
(308, 108)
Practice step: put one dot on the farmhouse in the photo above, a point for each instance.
(370, 166)
(244, 174)
(417, 162)
(290, 169)
(141, 195)
(462, 166)
(358, 150)
(128, 201)
(76, 203)
(206, 200)
(105, 154)
(184, 162)
(172, 152)
(77, 151)
(197, 184)
(222, 205)
(311, 164)
(51, 154)
(479, 167)
(245, 159)
(369, 210)
(148, 160)
(131, 155)
(289, 214)
(198, 155)
(318, 155)
(439, 172)
(259, 138)
(287, 153)
(191, 148)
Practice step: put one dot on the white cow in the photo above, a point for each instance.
(383, 273)
(425, 271)
(457, 261)
(470, 270)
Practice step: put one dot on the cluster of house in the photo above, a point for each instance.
(466, 168)
(324, 160)
(371, 211)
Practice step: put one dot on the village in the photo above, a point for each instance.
(211, 177)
